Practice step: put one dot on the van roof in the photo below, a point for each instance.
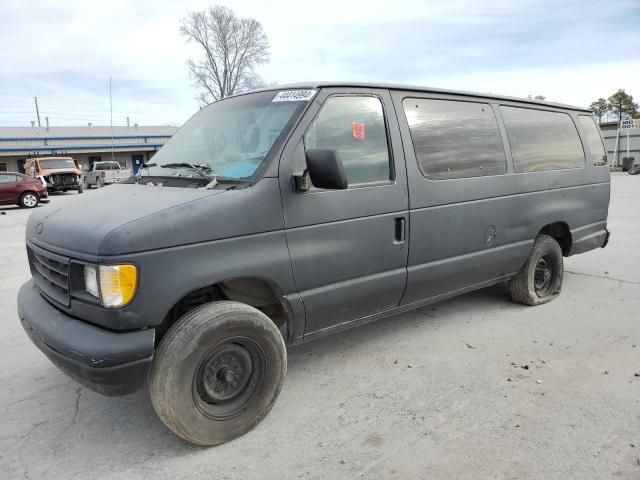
(392, 86)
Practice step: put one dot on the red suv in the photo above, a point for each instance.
(21, 190)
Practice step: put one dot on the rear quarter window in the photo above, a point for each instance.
(542, 140)
(454, 139)
(592, 138)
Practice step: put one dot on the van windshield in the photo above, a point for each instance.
(57, 163)
(228, 139)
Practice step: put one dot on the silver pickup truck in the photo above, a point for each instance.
(105, 173)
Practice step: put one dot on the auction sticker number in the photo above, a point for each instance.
(294, 96)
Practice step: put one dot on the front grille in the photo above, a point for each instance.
(50, 273)
(62, 179)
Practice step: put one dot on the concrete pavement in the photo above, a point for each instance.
(436, 393)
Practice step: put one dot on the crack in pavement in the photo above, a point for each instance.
(606, 277)
(77, 409)
(33, 428)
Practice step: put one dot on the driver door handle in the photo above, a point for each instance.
(400, 230)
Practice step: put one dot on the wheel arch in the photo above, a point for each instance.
(561, 232)
(259, 292)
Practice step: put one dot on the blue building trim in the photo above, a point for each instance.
(99, 137)
(54, 148)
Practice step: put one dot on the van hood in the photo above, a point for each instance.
(55, 171)
(84, 225)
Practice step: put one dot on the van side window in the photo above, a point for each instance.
(541, 140)
(354, 126)
(593, 139)
(454, 139)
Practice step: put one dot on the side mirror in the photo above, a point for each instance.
(325, 170)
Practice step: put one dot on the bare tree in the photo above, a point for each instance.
(232, 48)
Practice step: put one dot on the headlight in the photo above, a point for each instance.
(114, 285)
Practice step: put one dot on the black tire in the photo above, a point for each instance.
(29, 200)
(217, 372)
(540, 278)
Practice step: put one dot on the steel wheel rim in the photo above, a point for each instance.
(29, 200)
(544, 274)
(228, 378)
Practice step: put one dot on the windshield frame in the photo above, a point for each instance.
(276, 148)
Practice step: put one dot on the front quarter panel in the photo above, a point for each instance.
(241, 236)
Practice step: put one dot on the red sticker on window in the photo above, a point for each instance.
(357, 130)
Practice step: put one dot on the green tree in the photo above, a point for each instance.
(599, 108)
(621, 105)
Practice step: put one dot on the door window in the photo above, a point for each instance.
(354, 126)
(6, 179)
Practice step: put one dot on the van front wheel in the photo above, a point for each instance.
(540, 278)
(217, 372)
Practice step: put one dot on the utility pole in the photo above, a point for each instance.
(616, 151)
(111, 118)
(37, 111)
(628, 130)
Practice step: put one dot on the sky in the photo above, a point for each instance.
(570, 51)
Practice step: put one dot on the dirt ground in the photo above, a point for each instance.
(471, 388)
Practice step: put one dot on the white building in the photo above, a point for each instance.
(130, 146)
(610, 134)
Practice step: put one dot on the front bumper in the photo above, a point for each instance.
(589, 238)
(107, 362)
(61, 188)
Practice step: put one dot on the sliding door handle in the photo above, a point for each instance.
(400, 230)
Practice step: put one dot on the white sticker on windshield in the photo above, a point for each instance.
(294, 96)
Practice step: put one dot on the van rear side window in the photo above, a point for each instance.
(593, 139)
(541, 140)
(454, 139)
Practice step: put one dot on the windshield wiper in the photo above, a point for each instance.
(196, 168)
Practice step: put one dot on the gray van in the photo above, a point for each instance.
(278, 216)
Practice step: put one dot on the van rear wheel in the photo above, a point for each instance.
(540, 278)
(217, 372)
